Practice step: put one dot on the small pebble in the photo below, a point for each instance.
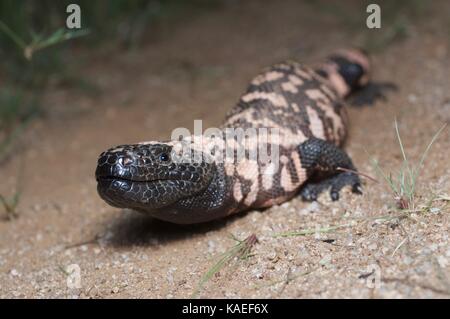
(443, 262)
(435, 210)
(325, 260)
(14, 272)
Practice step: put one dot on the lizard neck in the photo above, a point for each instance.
(214, 202)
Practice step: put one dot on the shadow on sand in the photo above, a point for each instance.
(136, 229)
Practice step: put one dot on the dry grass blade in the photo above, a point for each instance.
(398, 246)
(442, 197)
(311, 231)
(240, 251)
(290, 276)
(358, 173)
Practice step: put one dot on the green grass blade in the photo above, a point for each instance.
(60, 36)
(425, 153)
(393, 186)
(380, 172)
(405, 159)
(14, 37)
(6, 143)
(403, 185)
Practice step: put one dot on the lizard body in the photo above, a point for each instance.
(305, 105)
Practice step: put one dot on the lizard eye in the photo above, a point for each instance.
(163, 157)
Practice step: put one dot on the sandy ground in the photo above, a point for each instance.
(197, 72)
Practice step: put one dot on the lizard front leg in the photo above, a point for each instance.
(322, 161)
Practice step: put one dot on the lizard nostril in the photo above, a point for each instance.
(126, 160)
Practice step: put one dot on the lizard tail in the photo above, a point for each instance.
(347, 70)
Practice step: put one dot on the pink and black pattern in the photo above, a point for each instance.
(306, 106)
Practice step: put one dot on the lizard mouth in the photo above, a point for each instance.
(125, 184)
(139, 177)
(127, 193)
(111, 178)
(120, 188)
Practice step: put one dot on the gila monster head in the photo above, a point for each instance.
(149, 176)
(353, 65)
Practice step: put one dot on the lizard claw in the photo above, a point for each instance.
(311, 191)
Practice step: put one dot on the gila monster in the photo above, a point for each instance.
(304, 103)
